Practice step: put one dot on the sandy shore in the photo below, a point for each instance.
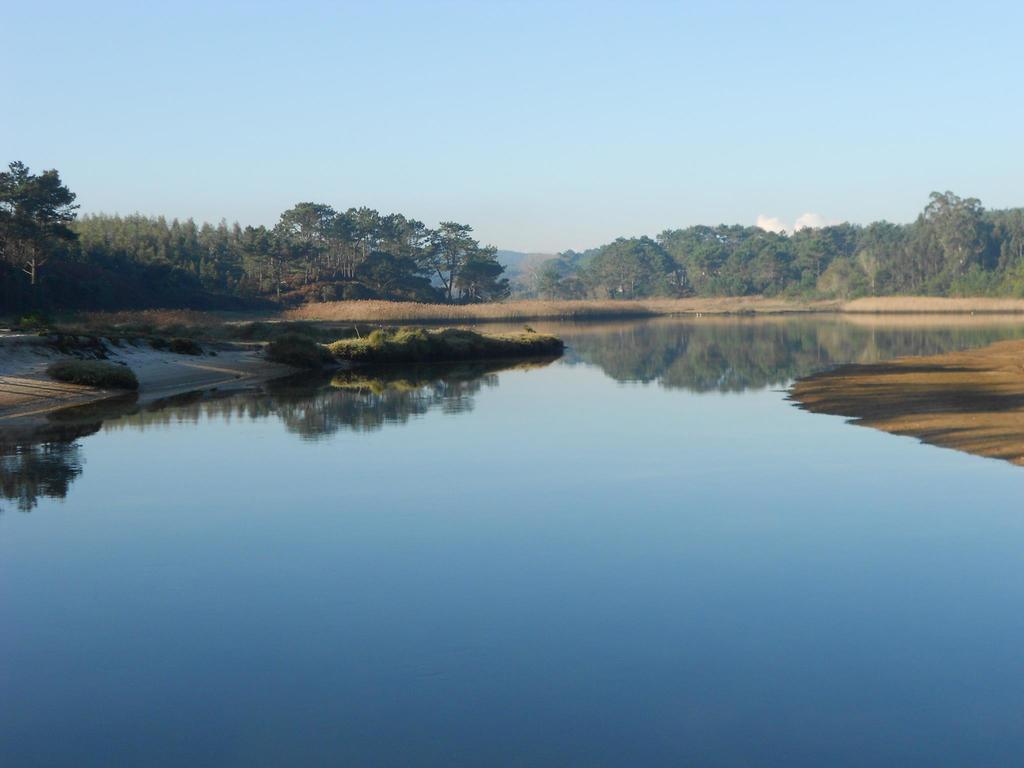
(28, 394)
(970, 401)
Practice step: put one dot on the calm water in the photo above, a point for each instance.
(638, 555)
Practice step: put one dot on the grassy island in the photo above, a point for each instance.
(420, 345)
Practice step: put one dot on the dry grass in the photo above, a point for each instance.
(146, 320)
(513, 311)
(183, 322)
(931, 304)
(970, 401)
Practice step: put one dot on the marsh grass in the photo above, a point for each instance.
(94, 373)
(517, 311)
(932, 305)
(420, 345)
(164, 328)
(359, 317)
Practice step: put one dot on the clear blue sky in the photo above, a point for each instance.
(545, 125)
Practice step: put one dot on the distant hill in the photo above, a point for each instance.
(519, 265)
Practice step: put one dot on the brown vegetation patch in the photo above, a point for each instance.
(932, 304)
(512, 311)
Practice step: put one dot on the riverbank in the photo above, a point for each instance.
(535, 309)
(158, 368)
(514, 311)
(28, 394)
(249, 326)
(971, 401)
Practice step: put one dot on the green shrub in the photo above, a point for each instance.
(94, 373)
(418, 345)
(34, 321)
(298, 351)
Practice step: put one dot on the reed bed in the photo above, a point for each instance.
(192, 323)
(146, 320)
(513, 311)
(931, 305)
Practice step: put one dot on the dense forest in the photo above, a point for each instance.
(50, 258)
(955, 247)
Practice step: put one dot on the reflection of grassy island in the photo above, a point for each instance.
(971, 401)
(419, 345)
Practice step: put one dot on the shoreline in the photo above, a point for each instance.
(971, 401)
(593, 309)
(227, 326)
(28, 396)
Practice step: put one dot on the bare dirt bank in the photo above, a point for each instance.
(27, 393)
(970, 401)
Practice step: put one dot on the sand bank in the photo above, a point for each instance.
(970, 401)
(27, 393)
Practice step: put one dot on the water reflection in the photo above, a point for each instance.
(45, 461)
(29, 471)
(724, 354)
(723, 579)
(317, 406)
(732, 354)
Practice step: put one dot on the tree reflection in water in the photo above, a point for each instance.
(43, 463)
(316, 406)
(732, 354)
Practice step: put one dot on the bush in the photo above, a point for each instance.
(184, 347)
(34, 321)
(298, 352)
(417, 345)
(94, 373)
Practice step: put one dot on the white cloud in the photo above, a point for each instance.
(812, 221)
(803, 221)
(770, 223)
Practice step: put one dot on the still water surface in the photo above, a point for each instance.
(641, 554)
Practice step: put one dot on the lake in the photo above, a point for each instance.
(640, 554)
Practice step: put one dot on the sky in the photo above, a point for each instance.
(545, 125)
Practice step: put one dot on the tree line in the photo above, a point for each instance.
(50, 258)
(954, 247)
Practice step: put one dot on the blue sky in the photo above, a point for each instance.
(546, 125)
